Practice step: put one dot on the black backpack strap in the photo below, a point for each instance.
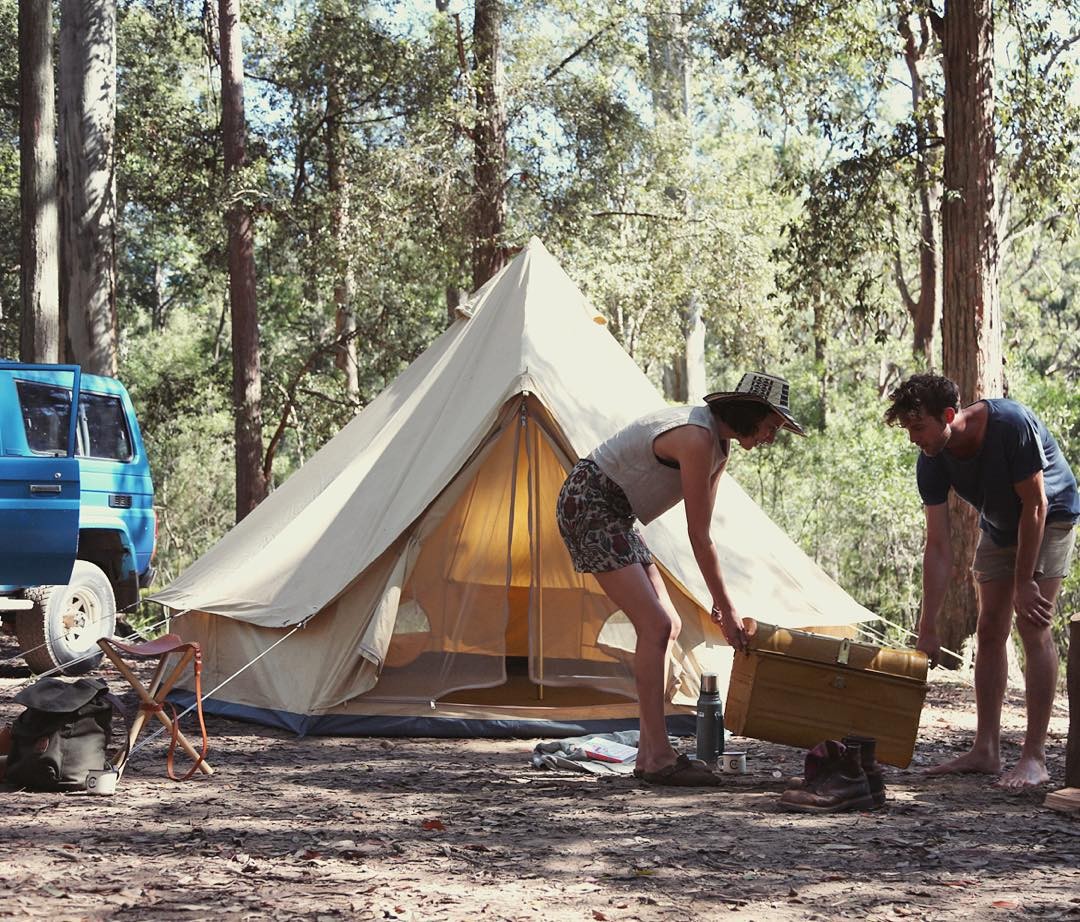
(120, 757)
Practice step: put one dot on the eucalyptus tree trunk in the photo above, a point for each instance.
(925, 309)
(39, 329)
(345, 279)
(971, 327)
(821, 356)
(489, 143)
(87, 168)
(684, 374)
(247, 393)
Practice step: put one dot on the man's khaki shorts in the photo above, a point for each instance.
(1055, 555)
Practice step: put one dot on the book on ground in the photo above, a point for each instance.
(608, 751)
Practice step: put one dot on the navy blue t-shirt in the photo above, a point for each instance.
(1015, 446)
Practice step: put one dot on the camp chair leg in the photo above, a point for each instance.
(153, 697)
(141, 714)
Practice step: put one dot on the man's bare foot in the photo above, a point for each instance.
(1028, 773)
(969, 763)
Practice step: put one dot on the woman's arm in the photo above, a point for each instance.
(692, 447)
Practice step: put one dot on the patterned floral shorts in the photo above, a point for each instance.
(596, 522)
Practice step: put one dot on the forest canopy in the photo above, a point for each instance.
(735, 184)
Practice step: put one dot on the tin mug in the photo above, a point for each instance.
(101, 781)
(733, 763)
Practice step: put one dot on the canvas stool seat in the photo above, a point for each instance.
(174, 655)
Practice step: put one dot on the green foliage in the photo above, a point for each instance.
(188, 432)
(651, 213)
(1041, 308)
(1040, 115)
(784, 203)
(848, 498)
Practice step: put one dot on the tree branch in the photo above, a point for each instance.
(938, 22)
(460, 45)
(290, 397)
(901, 284)
(637, 214)
(1064, 46)
(581, 49)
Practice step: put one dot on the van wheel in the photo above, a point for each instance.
(63, 627)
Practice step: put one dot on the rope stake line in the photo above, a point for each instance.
(79, 659)
(881, 639)
(90, 654)
(199, 700)
(70, 631)
(909, 633)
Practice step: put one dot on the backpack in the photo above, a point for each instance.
(62, 734)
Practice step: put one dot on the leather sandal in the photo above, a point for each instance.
(697, 763)
(683, 773)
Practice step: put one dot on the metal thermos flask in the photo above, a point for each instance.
(710, 721)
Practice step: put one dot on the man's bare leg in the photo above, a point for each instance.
(1040, 685)
(991, 674)
(632, 589)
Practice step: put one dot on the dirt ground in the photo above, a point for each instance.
(335, 828)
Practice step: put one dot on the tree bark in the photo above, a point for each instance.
(247, 394)
(345, 284)
(455, 297)
(925, 310)
(39, 329)
(87, 169)
(971, 313)
(821, 357)
(489, 143)
(684, 375)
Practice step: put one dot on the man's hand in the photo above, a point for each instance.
(930, 644)
(1030, 603)
(731, 625)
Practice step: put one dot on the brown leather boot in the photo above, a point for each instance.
(818, 761)
(872, 768)
(875, 776)
(841, 784)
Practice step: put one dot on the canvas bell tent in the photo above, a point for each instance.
(419, 549)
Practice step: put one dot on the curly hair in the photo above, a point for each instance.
(743, 416)
(929, 394)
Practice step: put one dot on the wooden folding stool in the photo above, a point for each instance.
(152, 697)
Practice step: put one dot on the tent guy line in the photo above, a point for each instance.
(90, 654)
(72, 630)
(191, 707)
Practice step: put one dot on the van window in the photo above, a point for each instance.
(102, 430)
(46, 412)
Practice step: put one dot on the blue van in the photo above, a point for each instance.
(77, 522)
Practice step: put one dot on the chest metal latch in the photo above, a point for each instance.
(842, 653)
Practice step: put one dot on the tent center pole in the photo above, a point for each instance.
(538, 581)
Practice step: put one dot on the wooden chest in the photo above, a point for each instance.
(798, 688)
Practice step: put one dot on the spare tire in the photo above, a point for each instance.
(63, 627)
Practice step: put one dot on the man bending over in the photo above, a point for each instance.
(999, 457)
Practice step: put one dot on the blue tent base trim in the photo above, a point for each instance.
(433, 727)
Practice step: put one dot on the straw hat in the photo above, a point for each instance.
(762, 388)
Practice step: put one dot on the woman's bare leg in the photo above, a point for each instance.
(634, 589)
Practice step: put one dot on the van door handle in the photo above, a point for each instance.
(45, 488)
